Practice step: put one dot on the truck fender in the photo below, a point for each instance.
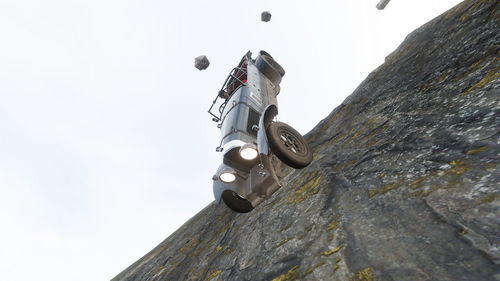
(239, 186)
(265, 119)
(262, 143)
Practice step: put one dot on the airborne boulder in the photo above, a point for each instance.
(381, 5)
(201, 62)
(265, 16)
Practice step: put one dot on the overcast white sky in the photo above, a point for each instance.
(106, 147)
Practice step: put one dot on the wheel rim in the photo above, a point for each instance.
(291, 142)
(237, 196)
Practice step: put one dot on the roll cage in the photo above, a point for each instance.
(237, 77)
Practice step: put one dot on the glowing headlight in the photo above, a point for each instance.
(248, 151)
(227, 177)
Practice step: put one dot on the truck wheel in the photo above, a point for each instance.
(236, 202)
(288, 145)
(269, 67)
(271, 62)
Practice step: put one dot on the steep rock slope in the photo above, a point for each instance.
(404, 183)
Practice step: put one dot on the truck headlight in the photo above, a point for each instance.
(227, 175)
(249, 151)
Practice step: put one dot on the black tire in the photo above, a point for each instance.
(289, 145)
(236, 202)
(275, 65)
(269, 67)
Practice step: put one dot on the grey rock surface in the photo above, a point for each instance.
(201, 62)
(265, 16)
(404, 184)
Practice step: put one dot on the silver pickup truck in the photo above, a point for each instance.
(253, 144)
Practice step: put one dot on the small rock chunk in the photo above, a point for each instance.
(381, 5)
(265, 16)
(201, 62)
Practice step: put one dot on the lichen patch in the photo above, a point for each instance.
(289, 275)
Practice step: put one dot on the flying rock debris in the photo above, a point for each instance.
(201, 62)
(265, 16)
(381, 5)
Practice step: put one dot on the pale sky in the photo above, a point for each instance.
(106, 147)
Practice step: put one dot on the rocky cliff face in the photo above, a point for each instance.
(404, 184)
